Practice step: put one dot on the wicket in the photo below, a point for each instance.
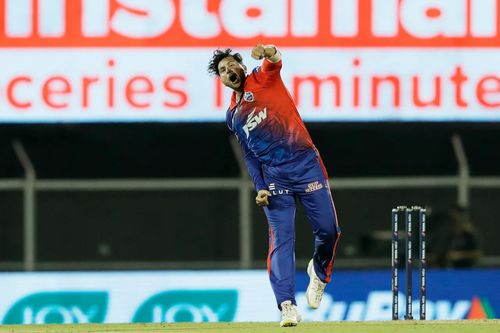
(409, 213)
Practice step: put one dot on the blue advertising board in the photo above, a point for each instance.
(366, 295)
(236, 295)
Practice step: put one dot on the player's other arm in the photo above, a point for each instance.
(271, 66)
(255, 170)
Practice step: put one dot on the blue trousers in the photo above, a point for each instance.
(306, 181)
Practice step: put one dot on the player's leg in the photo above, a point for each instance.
(314, 194)
(281, 257)
(320, 210)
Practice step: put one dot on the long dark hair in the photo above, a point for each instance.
(213, 64)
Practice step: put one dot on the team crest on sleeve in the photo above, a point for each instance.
(248, 96)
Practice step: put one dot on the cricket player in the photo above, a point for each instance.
(285, 167)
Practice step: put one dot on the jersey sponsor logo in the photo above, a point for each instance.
(248, 96)
(277, 191)
(311, 187)
(254, 120)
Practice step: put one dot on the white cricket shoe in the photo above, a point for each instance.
(290, 316)
(315, 289)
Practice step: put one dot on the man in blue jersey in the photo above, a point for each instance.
(285, 166)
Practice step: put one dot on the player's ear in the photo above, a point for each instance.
(244, 67)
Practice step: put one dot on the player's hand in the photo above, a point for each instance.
(263, 51)
(262, 198)
(258, 52)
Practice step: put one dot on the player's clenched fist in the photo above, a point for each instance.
(262, 198)
(263, 51)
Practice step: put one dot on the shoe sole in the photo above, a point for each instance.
(288, 323)
(310, 267)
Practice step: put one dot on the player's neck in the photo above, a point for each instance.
(238, 95)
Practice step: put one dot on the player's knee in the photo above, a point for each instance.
(329, 233)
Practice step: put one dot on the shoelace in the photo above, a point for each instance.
(287, 310)
(318, 287)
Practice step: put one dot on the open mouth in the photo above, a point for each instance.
(233, 78)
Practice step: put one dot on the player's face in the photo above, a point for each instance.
(232, 73)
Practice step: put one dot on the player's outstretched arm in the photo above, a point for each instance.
(269, 52)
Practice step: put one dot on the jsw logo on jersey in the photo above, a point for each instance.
(377, 306)
(254, 120)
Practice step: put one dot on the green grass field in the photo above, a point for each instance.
(460, 326)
